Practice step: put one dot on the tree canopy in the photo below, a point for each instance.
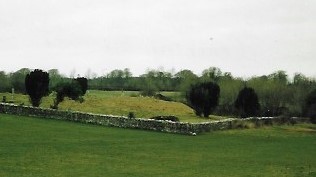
(203, 98)
(36, 84)
(247, 102)
(310, 106)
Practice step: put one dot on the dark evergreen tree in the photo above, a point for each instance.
(83, 82)
(203, 98)
(37, 86)
(71, 90)
(247, 102)
(310, 106)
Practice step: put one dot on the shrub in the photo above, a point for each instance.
(310, 106)
(313, 116)
(247, 103)
(83, 82)
(36, 85)
(131, 115)
(71, 90)
(4, 99)
(203, 98)
(148, 89)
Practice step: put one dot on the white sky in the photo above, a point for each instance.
(244, 37)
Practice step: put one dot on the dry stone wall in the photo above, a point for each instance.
(125, 122)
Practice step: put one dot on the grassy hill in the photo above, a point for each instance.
(38, 147)
(121, 103)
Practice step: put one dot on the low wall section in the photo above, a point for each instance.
(124, 122)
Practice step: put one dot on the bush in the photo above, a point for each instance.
(311, 113)
(36, 85)
(71, 90)
(247, 103)
(149, 90)
(170, 118)
(131, 115)
(4, 99)
(203, 98)
(310, 106)
(83, 82)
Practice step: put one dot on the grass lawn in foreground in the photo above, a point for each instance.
(40, 147)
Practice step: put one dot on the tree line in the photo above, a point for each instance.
(277, 94)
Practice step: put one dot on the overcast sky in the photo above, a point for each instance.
(244, 37)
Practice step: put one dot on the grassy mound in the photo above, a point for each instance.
(122, 103)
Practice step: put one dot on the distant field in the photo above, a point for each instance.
(32, 147)
(121, 103)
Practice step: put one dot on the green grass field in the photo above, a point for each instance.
(38, 147)
(121, 103)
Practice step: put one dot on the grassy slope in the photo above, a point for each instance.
(121, 103)
(38, 147)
